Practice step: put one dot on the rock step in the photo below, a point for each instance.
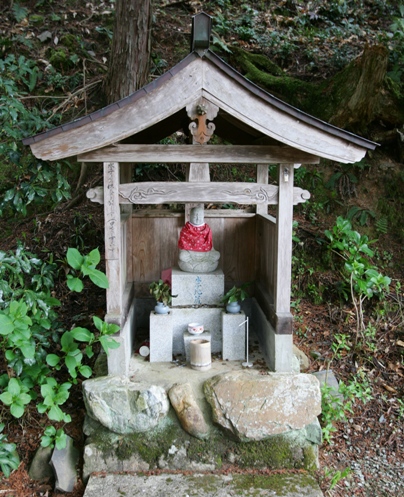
(206, 485)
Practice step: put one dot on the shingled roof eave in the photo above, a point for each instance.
(231, 73)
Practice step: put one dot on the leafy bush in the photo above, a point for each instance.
(9, 459)
(362, 278)
(30, 181)
(33, 346)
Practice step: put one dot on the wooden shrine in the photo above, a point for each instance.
(202, 96)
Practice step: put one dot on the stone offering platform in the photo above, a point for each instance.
(207, 485)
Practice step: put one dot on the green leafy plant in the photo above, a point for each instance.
(33, 347)
(236, 294)
(9, 459)
(16, 397)
(86, 265)
(161, 291)
(53, 437)
(336, 403)
(358, 272)
(335, 477)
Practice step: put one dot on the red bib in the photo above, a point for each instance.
(195, 238)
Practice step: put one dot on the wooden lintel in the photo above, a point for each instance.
(183, 192)
(231, 154)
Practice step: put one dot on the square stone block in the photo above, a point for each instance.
(187, 341)
(209, 317)
(161, 337)
(233, 336)
(197, 288)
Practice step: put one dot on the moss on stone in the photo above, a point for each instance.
(279, 483)
(263, 72)
(290, 451)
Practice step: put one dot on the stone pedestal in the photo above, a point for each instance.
(161, 337)
(209, 317)
(206, 335)
(197, 288)
(233, 336)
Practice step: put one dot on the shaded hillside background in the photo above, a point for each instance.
(54, 59)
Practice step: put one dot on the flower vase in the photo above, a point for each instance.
(233, 307)
(160, 308)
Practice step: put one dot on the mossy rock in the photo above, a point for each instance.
(162, 446)
(60, 59)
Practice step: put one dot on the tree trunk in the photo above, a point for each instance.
(361, 88)
(130, 52)
(360, 98)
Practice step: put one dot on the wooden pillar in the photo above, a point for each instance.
(113, 247)
(262, 177)
(196, 171)
(283, 264)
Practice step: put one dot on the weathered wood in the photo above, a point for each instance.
(247, 107)
(262, 177)
(209, 213)
(231, 154)
(215, 192)
(111, 210)
(153, 106)
(113, 239)
(155, 247)
(265, 253)
(284, 224)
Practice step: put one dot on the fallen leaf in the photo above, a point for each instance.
(44, 36)
(389, 388)
(400, 343)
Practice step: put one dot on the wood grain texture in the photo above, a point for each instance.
(113, 239)
(237, 101)
(262, 177)
(266, 255)
(154, 106)
(230, 154)
(213, 192)
(112, 214)
(284, 226)
(155, 246)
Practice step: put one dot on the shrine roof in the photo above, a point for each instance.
(248, 114)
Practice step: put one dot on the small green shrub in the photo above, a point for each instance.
(32, 344)
(9, 459)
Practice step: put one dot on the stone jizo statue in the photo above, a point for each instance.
(197, 254)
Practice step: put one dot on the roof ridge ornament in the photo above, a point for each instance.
(201, 31)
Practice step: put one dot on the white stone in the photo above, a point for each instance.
(124, 406)
(233, 336)
(197, 288)
(161, 337)
(255, 407)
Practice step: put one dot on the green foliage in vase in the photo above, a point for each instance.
(161, 291)
(236, 294)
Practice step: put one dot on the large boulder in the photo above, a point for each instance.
(254, 407)
(189, 413)
(123, 406)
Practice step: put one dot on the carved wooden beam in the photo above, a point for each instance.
(230, 154)
(182, 192)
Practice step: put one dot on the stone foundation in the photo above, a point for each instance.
(244, 418)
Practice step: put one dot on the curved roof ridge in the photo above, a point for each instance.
(284, 106)
(109, 109)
